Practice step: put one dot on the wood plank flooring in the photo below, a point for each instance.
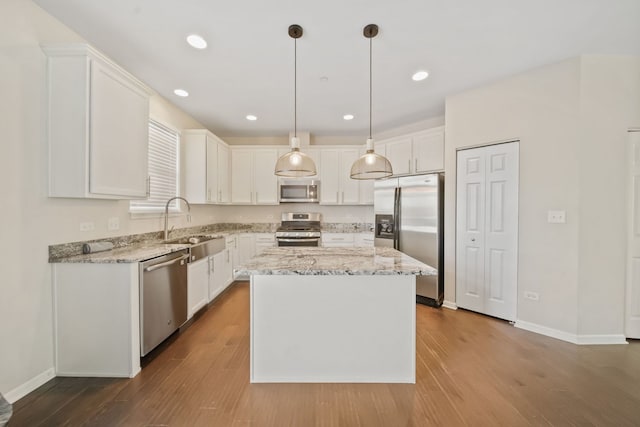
(471, 370)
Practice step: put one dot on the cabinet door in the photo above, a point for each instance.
(265, 182)
(314, 153)
(330, 177)
(119, 135)
(364, 239)
(365, 187)
(212, 170)
(223, 174)
(197, 285)
(428, 151)
(399, 154)
(217, 282)
(246, 248)
(350, 188)
(241, 176)
(337, 240)
(193, 169)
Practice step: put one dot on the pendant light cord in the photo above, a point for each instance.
(295, 88)
(370, 83)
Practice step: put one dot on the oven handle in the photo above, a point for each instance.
(164, 264)
(297, 240)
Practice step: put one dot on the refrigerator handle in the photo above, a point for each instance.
(396, 219)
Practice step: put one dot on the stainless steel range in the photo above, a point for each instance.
(299, 229)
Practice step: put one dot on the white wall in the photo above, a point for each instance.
(609, 105)
(571, 120)
(30, 221)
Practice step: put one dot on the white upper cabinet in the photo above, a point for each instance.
(399, 154)
(336, 185)
(98, 126)
(253, 181)
(205, 167)
(428, 150)
(420, 152)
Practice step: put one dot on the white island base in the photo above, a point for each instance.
(333, 328)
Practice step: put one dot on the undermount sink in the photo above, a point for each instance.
(192, 240)
(201, 246)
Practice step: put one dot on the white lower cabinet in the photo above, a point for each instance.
(264, 241)
(217, 274)
(364, 239)
(197, 285)
(338, 240)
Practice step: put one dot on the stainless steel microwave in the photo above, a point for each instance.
(299, 191)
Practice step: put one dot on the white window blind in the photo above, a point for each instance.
(163, 169)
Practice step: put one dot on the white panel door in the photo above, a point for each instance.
(470, 230)
(632, 309)
(487, 230)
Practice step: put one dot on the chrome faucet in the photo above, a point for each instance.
(166, 214)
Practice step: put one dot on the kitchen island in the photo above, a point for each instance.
(333, 315)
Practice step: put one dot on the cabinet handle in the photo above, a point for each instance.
(343, 197)
(256, 197)
(337, 197)
(416, 169)
(409, 164)
(149, 186)
(219, 195)
(227, 255)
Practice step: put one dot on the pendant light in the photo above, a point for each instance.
(371, 165)
(295, 163)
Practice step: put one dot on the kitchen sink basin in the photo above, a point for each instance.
(192, 240)
(201, 246)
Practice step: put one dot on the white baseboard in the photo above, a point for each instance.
(450, 305)
(601, 339)
(568, 337)
(22, 390)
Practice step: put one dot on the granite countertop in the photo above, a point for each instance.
(129, 254)
(334, 261)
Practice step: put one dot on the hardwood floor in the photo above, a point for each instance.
(471, 370)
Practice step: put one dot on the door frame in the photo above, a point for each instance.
(628, 287)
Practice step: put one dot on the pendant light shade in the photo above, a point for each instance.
(295, 163)
(371, 165)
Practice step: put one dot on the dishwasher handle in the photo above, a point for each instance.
(166, 263)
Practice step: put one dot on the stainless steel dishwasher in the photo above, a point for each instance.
(163, 298)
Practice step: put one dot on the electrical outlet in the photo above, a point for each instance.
(113, 223)
(87, 226)
(531, 295)
(556, 217)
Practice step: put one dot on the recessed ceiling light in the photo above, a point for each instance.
(420, 75)
(196, 41)
(348, 117)
(181, 92)
(252, 117)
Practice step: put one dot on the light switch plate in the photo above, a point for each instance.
(556, 217)
(87, 226)
(113, 223)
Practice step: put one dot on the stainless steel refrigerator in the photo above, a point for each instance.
(409, 217)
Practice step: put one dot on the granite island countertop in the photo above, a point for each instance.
(333, 261)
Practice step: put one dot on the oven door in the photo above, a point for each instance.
(309, 242)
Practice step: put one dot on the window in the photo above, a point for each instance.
(163, 170)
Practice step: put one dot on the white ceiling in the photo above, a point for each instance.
(248, 66)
